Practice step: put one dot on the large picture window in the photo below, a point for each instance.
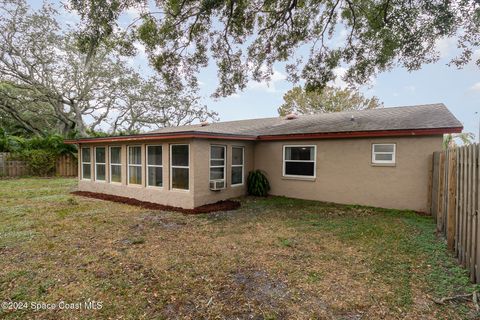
(154, 166)
(179, 168)
(299, 161)
(100, 163)
(383, 153)
(115, 164)
(135, 165)
(237, 165)
(217, 162)
(86, 164)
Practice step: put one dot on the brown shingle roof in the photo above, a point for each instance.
(411, 120)
(429, 116)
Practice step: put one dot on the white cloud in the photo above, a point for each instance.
(446, 47)
(475, 87)
(339, 82)
(268, 86)
(134, 12)
(410, 88)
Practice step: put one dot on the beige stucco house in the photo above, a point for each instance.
(375, 157)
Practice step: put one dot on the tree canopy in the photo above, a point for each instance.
(330, 99)
(312, 37)
(48, 86)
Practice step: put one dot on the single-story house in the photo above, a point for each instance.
(380, 157)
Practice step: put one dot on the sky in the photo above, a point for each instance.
(458, 89)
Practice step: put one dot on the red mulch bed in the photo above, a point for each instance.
(224, 205)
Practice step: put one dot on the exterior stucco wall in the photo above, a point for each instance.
(163, 195)
(345, 174)
(199, 192)
(201, 149)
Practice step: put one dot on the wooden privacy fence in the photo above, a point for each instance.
(455, 203)
(11, 168)
(66, 166)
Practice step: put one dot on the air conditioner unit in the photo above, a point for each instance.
(216, 185)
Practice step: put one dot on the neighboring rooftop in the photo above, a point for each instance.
(420, 117)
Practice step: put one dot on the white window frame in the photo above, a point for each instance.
(101, 163)
(314, 160)
(89, 163)
(114, 164)
(238, 165)
(224, 163)
(184, 167)
(134, 165)
(155, 165)
(394, 153)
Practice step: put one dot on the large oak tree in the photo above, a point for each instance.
(313, 37)
(48, 85)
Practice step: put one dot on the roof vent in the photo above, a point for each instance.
(352, 118)
(204, 123)
(291, 116)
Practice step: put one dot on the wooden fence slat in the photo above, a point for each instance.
(468, 220)
(457, 199)
(465, 208)
(452, 187)
(463, 213)
(473, 239)
(477, 215)
(435, 175)
(65, 166)
(441, 195)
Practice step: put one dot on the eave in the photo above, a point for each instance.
(293, 136)
(361, 134)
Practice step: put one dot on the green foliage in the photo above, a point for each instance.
(52, 143)
(39, 153)
(329, 99)
(53, 87)
(466, 138)
(257, 183)
(366, 37)
(39, 162)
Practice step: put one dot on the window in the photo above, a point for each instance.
(115, 164)
(299, 161)
(154, 166)
(86, 164)
(135, 165)
(383, 153)
(217, 162)
(237, 165)
(179, 174)
(100, 163)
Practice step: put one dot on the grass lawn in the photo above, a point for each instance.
(274, 258)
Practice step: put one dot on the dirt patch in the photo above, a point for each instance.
(156, 220)
(224, 205)
(258, 285)
(250, 287)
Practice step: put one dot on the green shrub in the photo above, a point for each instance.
(39, 162)
(257, 183)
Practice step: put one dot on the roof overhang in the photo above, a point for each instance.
(163, 136)
(362, 134)
(293, 136)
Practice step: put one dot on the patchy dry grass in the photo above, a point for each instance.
(275, 258)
